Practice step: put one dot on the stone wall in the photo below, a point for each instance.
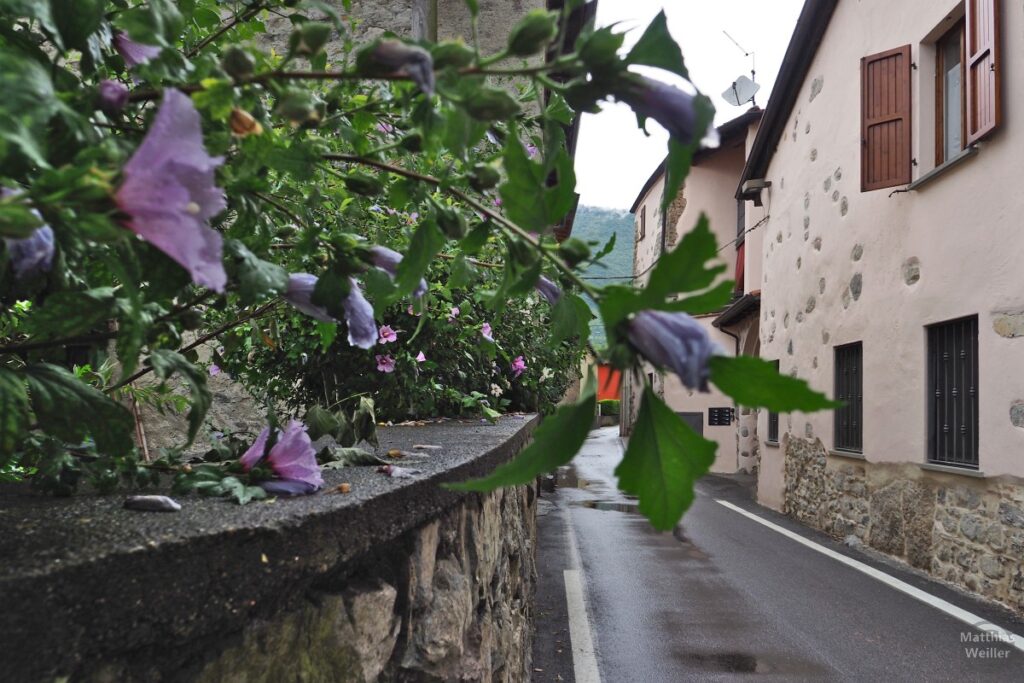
(964, 530)
(453, 601)
(399, 579)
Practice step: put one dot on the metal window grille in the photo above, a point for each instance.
(953, 393)
(773, 418)
(849, 387)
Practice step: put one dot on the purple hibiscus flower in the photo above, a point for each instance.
(292, 459)
(675, 341)
(387, 334)
(169, 193)
(133, 53)
(385, 363)
(30, 255)
(453, 314)
(362, 328)
(666, 104)
(387, 260)
(549, 290)
(518, 366)
(486, 332)
(113, 96)
(420, 357)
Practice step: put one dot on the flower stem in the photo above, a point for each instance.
(505, 223)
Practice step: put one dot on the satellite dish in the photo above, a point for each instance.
(741, 91)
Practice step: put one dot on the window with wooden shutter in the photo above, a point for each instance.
(885, 119)
(983, 67)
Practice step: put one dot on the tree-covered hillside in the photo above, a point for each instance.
(597, 225)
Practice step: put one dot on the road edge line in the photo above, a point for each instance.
(584, 659)
(969, 618)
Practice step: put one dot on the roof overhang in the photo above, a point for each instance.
(810, 29)
(737, 311)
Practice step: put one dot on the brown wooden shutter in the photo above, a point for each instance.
(885, 119)
(983, 67)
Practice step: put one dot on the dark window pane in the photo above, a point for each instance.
(849, 383)
(953, 393)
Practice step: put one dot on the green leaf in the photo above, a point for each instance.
(320, 422)
(523, 188)
(257, 278)
(683, 269)
(330, 292)
(680, 156)
(76, 20)
(71, 410)
(556, 441)
(342, 457)
(756, 383)
(657, 48)
(570, 317)
(165, 363)
(17, 220)
(13, 414)
(664, 459)
(28, 102)
(70, 313)
(236, 490)
(473, 6)
(426, 242)
(158, 22)
(709, 301)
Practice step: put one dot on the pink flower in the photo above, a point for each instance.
(531, 150)
(497, 201)
(214, 370)
(387, 334)
(169, 193)
(487, 333)
(412, 311)
(518, 366)
(292, 459)
(453, 314)
(385, 363)
(420, 357)
(385, 127)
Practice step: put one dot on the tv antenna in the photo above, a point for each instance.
(743, 89)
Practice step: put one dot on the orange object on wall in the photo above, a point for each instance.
(609, 382)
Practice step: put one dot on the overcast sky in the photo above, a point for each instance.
(613, 157)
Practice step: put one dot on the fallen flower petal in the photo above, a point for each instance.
(292, 459)
(396, 472)
(169, 192)
(152, 504)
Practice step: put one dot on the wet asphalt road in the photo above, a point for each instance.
(724, 597)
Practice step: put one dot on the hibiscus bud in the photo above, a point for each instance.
(674, 109)
(363, 184)
(113, 96)
(484, 177)
(549, 290)
(309, 38)
(532, 33)
(243, 123)
(387, 57)
(237, 63)
(574, 251)
(451, 222)
(32, 255)
(299, 107)
(675, 341)
(491, 104)
(413, 142)
(452, 53)
(387, 260)
(133, 53)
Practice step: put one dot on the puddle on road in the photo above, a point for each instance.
(615, 506)
(727, 662)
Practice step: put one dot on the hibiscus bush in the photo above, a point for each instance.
(170, 181)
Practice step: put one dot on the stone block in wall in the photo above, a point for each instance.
(887, 529)
(918, 512)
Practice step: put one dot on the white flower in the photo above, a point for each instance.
(496, 390)
(546, 374)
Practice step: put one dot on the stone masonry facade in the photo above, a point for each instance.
(963, 530)
(451, 601)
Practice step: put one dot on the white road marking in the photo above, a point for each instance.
(1000, 635)
(584, 660)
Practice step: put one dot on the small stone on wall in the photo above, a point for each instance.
(817, 244)
(821, 286)
(856, 284)
(911, 270)
(844, 207)
(1009, 325)
(858, 251)
(811, 301)
(1017, 414)
(816, 85)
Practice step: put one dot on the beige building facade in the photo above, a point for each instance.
(708, 191)
(889, 269)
